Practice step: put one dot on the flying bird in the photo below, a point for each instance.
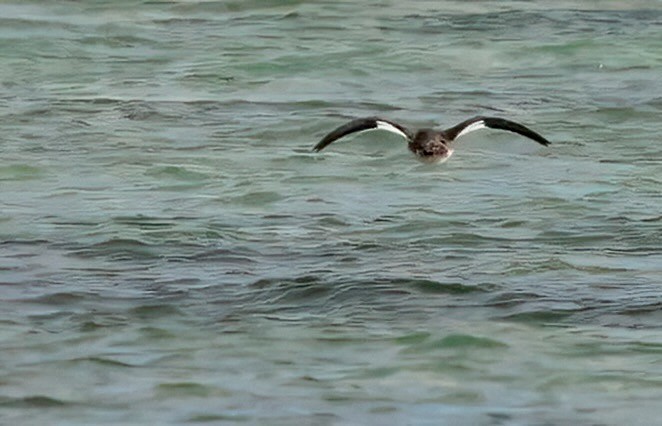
(429, 145)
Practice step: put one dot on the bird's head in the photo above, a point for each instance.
(430, 146)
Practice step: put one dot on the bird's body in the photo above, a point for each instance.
(429, 145)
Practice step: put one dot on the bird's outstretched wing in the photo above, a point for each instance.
(478, 123)
(362, 125)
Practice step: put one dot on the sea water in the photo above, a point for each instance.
(172, 252)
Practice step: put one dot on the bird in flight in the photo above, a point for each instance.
(429, 145)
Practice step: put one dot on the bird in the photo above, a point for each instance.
(429, 145)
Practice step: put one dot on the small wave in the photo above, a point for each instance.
(423, 344)
(20, 172)
(106, 362)
(177, 173)
(258, 198)
(146, 222)
(119, 249)
(34, 401)
(61, 298)
(156, 311)
(435, 287)
(189, 389)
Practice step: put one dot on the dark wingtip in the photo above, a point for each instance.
(511, 126)
(322, 144)
(543, 142)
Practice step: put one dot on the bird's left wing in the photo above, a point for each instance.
(478, 123)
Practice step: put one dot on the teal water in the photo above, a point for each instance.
(171, 252)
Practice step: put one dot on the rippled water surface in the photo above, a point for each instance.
(172, 252)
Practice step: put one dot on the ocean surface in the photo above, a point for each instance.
(172, 252)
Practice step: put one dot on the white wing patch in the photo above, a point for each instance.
(383, 125)
(472, 127)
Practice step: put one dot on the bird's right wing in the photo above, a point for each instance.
(362, 125)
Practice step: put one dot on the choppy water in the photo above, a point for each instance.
(171, 251)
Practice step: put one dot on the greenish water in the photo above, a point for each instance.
(171, 252)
